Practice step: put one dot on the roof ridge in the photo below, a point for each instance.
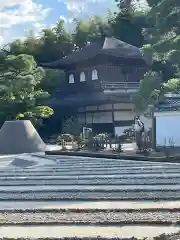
(106, 45)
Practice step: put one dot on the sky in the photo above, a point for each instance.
(18, 17)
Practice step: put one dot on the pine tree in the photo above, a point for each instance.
(164, 32)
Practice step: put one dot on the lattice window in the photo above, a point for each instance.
(82, 77)
(71, 78)
(94, 74)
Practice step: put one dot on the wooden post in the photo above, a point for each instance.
(113, 119)
(154, 133)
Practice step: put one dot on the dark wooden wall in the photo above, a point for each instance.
(109, 69)
(106, 73)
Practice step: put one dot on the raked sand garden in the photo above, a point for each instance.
(67, 197)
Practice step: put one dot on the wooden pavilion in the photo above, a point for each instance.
(101, 80)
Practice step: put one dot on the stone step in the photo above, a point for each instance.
(91, 195)
(90, 177)
(109, 164)
(84, 231)
(91, 188)
(68, 160)
(91, 168)
(89, 205)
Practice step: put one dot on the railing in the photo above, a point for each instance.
(120, 86)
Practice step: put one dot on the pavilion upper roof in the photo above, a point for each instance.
(110, 46)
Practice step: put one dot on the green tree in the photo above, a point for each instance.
(128, 27)
(129, 22)
(53, 44)
(52, 80)
(90, 30)
(149, 92)
(162, 52)
(19, 92)
(72, 126)
(164, 32)
(173, 85)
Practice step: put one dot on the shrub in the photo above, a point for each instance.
(65, 138)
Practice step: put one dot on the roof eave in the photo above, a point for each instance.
(53, 65)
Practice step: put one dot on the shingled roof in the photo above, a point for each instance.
(83, 99)
(110, 46)
(170, 102)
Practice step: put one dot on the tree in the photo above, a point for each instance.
(149, 92)
(72, 126)
(165, 29)
(88, 31)
(128, 27)
(55, 43)
(162, 52)
(52, 80)
(19, 80)
(173, 85)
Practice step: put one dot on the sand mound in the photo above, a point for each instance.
(19, 162)
(20, 137)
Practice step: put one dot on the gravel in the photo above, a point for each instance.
(108, 181)
(82, 178)
(85, 238)
(89, 167)
(92, 177)
(95, 173)
(91, 217)
(87, 195)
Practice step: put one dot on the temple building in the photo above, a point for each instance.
(101, 80)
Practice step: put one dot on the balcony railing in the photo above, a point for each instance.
(120, 86)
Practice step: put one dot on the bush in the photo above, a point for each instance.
(72, 126)
(65, 138)
(102, 136)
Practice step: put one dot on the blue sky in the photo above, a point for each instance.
(17, 17)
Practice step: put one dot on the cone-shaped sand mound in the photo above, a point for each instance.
(20, 137)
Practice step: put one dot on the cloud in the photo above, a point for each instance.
(1, 39)
(87, 8)
(15, 13)
(21, 12)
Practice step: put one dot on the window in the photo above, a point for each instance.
(82, 77)
(71, 78)
(94, 74)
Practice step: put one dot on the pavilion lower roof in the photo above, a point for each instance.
(84, 99)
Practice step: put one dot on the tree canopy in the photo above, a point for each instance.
(162, 52)
(19, 92)
(156, 30)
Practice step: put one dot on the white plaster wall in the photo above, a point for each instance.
(91, 108)
(99, 117)
(81, 118)
(89, 118)
(102, 117)
(105, 107)
(119, 130)
(124, 115)
(129, 106)
(147, 122)
(168, 128)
